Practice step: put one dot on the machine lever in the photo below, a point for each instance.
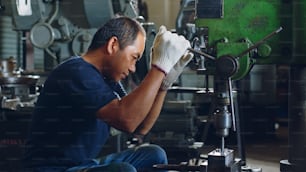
(232, 103)
(201, 53)
(260, 42)
(244, 52)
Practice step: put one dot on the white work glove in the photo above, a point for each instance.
(167, 49)
(176, 71)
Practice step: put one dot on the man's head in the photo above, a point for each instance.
(124, 28)
(119, 45)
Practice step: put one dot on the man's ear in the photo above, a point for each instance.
(113, 45)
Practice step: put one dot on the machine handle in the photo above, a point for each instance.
(260, 42)
(201, 53)
(244, 52)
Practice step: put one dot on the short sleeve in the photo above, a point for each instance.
(83, 87)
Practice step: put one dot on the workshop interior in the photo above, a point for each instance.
(245, 85)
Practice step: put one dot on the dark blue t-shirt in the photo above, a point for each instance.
(65, 130)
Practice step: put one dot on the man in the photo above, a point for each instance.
(82, 99)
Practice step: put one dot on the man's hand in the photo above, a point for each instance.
(176, 71)
(167, 49)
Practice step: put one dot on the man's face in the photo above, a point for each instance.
(124, 61)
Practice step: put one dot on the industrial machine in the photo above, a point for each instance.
(233, 33)
(59, 30)
(232, 61)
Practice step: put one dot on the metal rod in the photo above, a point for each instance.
(222, 146)
(232, 102)
(201, 53)
(23, 62)
(260, 42)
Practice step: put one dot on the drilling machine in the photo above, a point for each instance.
(229, 22)
(221, 159)
(228, 39)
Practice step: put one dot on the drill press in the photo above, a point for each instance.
(225, 67)
(223, 159)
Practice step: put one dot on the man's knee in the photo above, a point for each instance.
(155, 151)
(114, 167)
(126, 167)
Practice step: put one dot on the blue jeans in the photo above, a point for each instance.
(138, 159)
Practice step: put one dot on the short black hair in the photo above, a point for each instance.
(124, 28)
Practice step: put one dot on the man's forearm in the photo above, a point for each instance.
(152, 116)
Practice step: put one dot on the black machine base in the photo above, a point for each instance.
(216, 161)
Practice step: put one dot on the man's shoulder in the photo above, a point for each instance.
(75, 65)
(76, 60)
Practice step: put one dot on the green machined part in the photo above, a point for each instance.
(234, 49)
(264, 50)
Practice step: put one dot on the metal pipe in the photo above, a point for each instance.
(260, 42)
(201, 53)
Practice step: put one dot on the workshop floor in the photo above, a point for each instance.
(266, 153)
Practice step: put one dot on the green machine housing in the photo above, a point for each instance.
(232, 26)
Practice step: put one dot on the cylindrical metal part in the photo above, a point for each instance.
(222, 122)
